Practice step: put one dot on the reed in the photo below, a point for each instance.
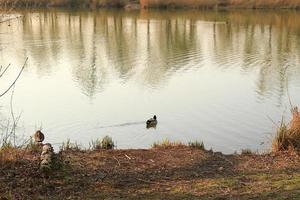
(288, 136)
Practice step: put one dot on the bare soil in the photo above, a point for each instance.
(159, 173)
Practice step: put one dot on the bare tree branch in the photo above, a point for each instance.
(13, 83)
(2, 73)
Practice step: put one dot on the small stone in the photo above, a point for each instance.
(47, 148)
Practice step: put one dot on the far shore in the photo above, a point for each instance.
(148, 4)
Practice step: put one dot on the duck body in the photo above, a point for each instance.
(38, 136)
(151, 122)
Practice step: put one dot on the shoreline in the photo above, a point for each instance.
(168, 172)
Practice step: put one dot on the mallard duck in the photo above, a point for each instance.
(38, 136)
(152, 122)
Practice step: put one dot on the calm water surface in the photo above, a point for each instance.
(212, 76)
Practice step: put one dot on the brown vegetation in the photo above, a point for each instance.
(178, 172)
(288, 136)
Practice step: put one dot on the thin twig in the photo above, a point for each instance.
(288, 94)
(127, 157)
(12, 115)
(117, 160)
(272, 121)
(15, 79)
(4, 70)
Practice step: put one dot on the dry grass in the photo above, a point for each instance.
(105, 143)
(246, 152)
(69, 146)
(171, 144)
(167, 144)
(288, 136)
(160, 173)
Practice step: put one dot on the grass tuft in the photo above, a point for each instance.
(107, 143)
(69, 146)
(167, 144)
(288, 136)
(95, 144)
(246, 152)
(196, 145)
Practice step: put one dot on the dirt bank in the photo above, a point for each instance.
(160, 173)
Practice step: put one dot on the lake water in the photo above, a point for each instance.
(217, 77)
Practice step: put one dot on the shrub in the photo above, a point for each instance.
(107, 143)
